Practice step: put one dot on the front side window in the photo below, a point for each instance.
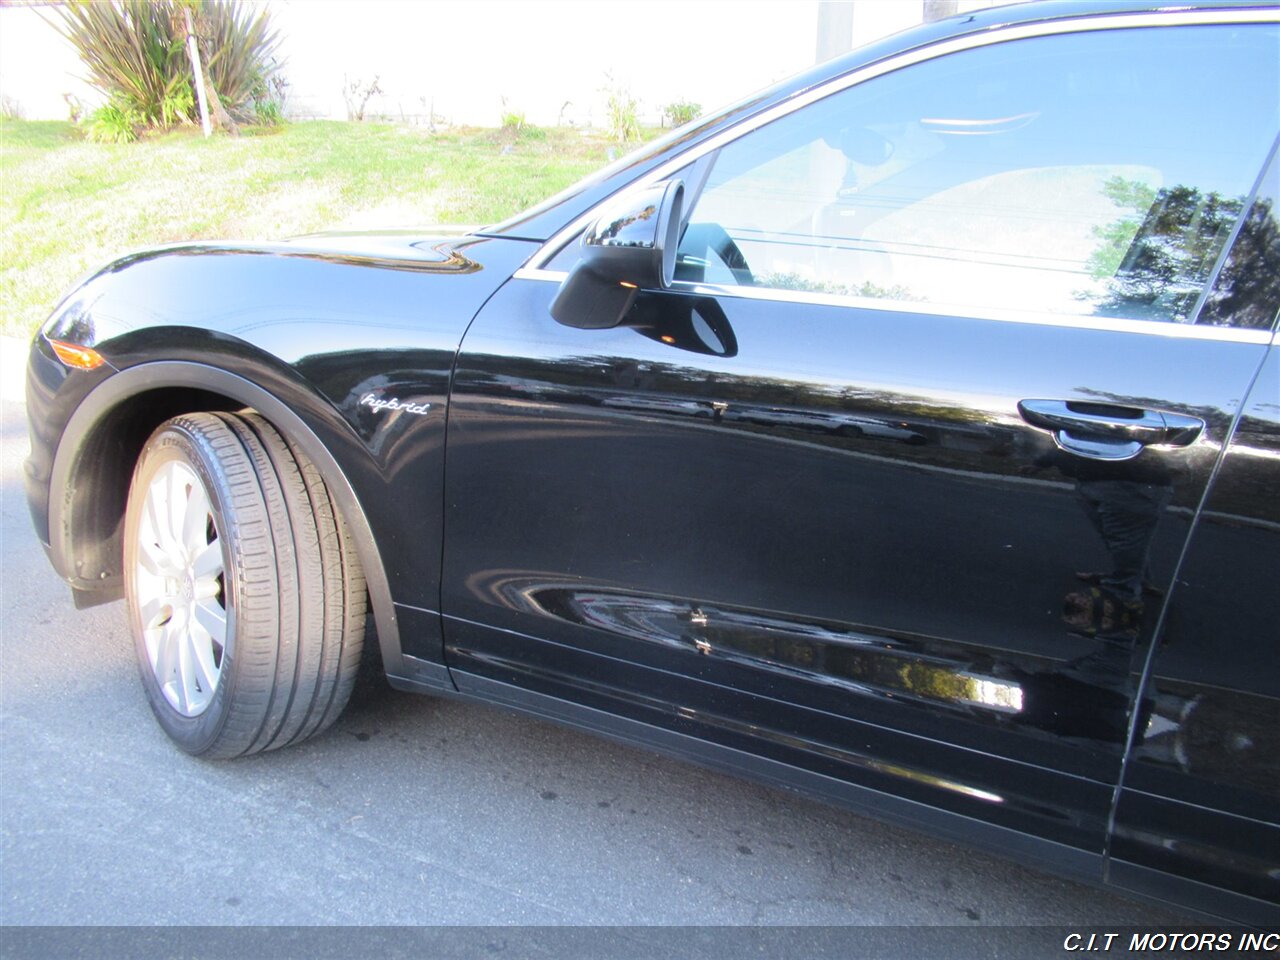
(1095, 173)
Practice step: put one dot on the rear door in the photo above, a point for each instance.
(1201, 793)
(890, 487)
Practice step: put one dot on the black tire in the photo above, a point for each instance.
(289, 589)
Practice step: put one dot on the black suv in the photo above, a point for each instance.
(908, 434)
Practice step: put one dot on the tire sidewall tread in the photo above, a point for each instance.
(293, 588)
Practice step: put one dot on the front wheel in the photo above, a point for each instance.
(245, 594)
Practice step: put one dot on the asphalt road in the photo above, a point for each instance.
(419, 811)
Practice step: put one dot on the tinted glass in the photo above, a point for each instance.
(1246, 292)
(1095, 173)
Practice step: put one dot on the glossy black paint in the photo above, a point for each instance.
(1202, 790)
(829, 546)
(1207, 766)
(841, 543)
(53, 393)
(631, 247)
(329, 331)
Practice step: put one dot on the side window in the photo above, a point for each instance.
(1094, 173)
(1246, 292)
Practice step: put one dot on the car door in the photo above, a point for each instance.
(1200, 797)
(890, 484)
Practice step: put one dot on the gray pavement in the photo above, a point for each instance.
(417, 811)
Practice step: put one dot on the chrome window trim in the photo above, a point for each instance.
(1157, 328)
(533, 270)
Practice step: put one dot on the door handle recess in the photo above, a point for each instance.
(1102, 431)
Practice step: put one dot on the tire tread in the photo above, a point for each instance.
(298, 591)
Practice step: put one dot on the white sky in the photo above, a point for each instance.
(468, 56)
(464, 56)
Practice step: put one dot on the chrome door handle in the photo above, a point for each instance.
(1102, 431)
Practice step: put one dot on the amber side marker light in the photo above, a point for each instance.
(76, 356)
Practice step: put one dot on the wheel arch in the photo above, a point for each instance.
(96, 454)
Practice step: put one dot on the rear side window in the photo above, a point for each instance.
(1099, 173)
(1246, 292)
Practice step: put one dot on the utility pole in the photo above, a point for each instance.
(937, 9)
(835, 29)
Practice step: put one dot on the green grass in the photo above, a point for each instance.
(68, 206)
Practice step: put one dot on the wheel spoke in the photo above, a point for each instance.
(184, 682)
(178, 587)
(207, 563)
(151, 558)
(155, 512)
(166, 651)
(175, 508)
(154, 640)
(213, 619)
(195, 520)
(203, 662)
(152, 612)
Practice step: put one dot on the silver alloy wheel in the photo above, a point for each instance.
(180, 588)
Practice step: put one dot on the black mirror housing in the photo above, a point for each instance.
(631, 247)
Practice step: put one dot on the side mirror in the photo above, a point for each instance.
(631, 247)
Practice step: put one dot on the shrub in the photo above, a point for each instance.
(622, 111)
(114, 122)
(132, 55)
(240, 47)
(268, 99)
(357, 94)
(267, 113)
(680, 112)
(178, 105)
(136, 54)
(512, 119)
(74, 107)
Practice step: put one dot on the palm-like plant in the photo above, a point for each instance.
(135, 54)
(131, 51)
(241, 49)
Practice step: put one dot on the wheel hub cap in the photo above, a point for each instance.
(180, 589)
